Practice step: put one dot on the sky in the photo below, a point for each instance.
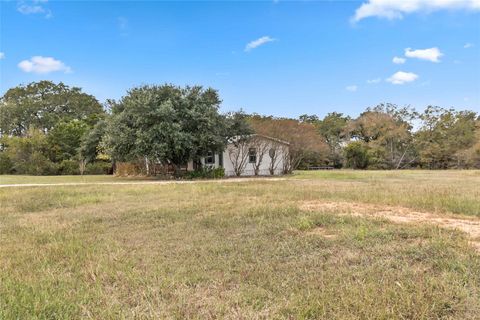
(282, 58)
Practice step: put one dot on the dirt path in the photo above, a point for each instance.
(469, 225)
(230, 180)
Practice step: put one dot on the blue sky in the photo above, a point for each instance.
(279, 58)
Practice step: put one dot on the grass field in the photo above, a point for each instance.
(331, 245)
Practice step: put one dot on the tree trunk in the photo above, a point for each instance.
(147, 166)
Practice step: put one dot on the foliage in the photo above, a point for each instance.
(387, 133)
(64, 140)
(303, 138)
(6, 164)
(333, 128)
(68, 167)
(43, 125)
(130, 168)
(444, 136)
(98, 167)
(166, 123)
(357, 155)
(91, 143)
(206, 173)
(27, 154)
(46, 127)
(42, 105)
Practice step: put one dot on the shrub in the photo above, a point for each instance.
(69, 167)
(36, 164)
(125, 169)
(356, 155)
(6, 164)
(206, 173)
(99, 167)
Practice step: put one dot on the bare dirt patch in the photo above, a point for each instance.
(469, 225)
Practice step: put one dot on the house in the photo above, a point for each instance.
(248, 156)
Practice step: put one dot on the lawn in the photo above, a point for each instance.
(311, 246)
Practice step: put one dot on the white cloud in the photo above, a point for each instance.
(42, 65)
(34, 7)
(396, 9)
(373, 81)
(2, 55)
(401, 77)
(398, 60)
(431, 54)
(351, 88)
(468, 45)
(257, 43)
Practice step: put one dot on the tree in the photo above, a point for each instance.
(64, 140)
(470, 157)
(167, 124)
(26, 154)
(274, 153)
(262, 146)
(444, 135)
(42, 105)
(91, 142)
(387, 132)
(302, 136)
(333, 128)
(356, 155)
(237, 151)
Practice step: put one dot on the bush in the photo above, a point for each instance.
(206, 173)
(36, 164)
(69, 167)
(6, 164)
(125, 169)
(99, 167)
(356, 155)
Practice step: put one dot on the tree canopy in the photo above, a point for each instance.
(305, 142)
(168, 124)
(52, 128)
(42, 105)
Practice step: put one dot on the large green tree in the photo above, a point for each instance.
(444, 135)
(166, 124)
(386, 130)
(44, 104)
(333, 128)
(64, 140)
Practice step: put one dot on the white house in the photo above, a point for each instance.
(248, 156)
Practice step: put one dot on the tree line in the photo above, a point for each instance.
(52, 128)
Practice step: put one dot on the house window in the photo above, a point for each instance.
(252, 155)
(210, 158)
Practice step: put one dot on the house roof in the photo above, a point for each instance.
(259, 135)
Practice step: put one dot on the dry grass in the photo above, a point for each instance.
(247, 250)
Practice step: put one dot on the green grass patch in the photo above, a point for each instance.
(243, 250)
